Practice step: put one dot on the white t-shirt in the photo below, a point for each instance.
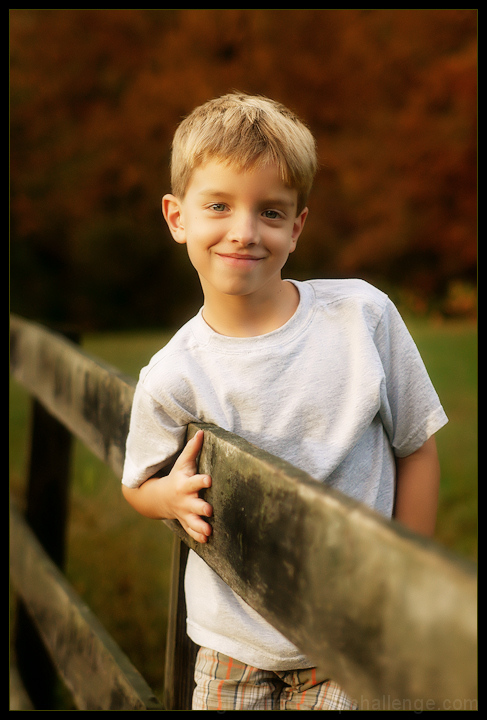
(337, 391)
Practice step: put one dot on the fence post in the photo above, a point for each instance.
(180, 650)
(46, 512)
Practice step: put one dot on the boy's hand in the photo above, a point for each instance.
(185, 503)
(175, 496)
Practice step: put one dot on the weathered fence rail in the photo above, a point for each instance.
(389, 615)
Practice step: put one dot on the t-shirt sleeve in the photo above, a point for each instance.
(411, 410)
(156, 436)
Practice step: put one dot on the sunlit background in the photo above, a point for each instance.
(96, 95)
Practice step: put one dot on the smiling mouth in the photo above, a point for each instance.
(240, 256)
(239, 260)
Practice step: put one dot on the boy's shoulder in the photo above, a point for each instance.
(350, 290)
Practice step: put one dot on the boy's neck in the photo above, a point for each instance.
(246, 316)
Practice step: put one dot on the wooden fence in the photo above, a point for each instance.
(389, 615)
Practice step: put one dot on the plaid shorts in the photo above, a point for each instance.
(226, 684)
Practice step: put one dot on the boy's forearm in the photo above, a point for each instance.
(417, 487)
(148, 499)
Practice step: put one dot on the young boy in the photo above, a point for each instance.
(322, 374)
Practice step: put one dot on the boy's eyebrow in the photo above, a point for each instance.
(279, 202)
(211, 191)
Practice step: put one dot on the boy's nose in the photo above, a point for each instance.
(244, 230)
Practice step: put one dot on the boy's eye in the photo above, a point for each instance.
(271, 214)
(218, 207)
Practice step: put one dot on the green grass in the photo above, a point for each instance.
(449, 351)
(119, 562)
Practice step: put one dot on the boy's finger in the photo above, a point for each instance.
(199, 530)
(203, 509)
(198, 482)
(190, 451)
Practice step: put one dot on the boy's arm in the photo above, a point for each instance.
(417, 486)
(175, 496)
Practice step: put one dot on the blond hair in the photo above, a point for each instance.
(245, 131)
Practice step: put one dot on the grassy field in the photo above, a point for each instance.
(119, 562)
(450, 354)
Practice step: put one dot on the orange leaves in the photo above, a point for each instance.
(390, 94)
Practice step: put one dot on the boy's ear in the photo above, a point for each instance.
(298, 227)
(171, 209)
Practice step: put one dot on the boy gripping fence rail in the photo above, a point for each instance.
(321, 373)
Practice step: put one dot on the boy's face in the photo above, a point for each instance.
(239, 226)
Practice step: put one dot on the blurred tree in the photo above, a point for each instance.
(95, 96)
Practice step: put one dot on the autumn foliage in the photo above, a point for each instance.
(95, 96)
